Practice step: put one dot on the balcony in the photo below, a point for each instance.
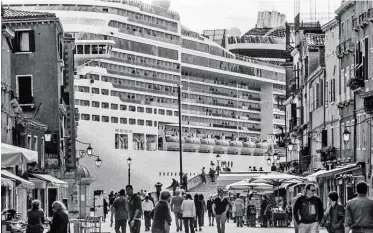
(132, 62)
(149, 36)
(339, 50)
(363, 19)
(145, 76)
(26, 100)
(356, 84)
(156, 25)
(349, 45)
(144, 89)
(355, 24)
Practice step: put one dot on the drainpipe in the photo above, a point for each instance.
(355, 129)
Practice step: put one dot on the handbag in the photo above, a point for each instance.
(179, 214)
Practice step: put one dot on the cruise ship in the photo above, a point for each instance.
(130, 60)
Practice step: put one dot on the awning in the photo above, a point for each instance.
(14, 155)
(54, 181)
(6, 183)
(26, 184)
(332, 173)
(313, 177)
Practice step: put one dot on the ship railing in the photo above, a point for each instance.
(154, 37)
(222, 104)
(258, 61)
(235, 85)
(131, 87)
(151, 24)
(218, 93)
(146, 77)
(144, 64)
(150, 103)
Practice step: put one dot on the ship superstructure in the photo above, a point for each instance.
(130, 58)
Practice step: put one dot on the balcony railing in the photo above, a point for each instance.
(167, 28)
(148, 36)
(26, 100)
(144, 89)
(355, 24)
(147, 77)
(219, 93)
(222, 104)
(370, 15)
(363, 19)
(144, 64)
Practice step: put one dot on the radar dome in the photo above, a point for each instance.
(161, 3)
(235, 32)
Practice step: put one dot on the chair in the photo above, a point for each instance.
(91, 224)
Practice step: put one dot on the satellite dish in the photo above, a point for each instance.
(235, 32)
(161, 3)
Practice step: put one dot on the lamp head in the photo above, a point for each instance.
(47, 135)
(129, 160)
(98, 162)
(269, 161)
(89, 150)
(346, 135)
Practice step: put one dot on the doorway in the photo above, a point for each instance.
(52, 197)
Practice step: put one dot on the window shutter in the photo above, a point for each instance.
(32, 41)
(15, 43)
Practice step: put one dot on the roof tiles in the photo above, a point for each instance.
(17, 14)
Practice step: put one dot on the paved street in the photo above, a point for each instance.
(230, 228)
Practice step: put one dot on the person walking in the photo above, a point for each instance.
(134, 210)
(106, 211)
(239, 207)
(199, 209)
(263, 215)
(151, 198)
(174, 185)
(251, 212)
(210, 213)
(308, 211)
(334, 215)
(188, 210)
(296, 229)
(204, 208)
(203, 175)
(220, 208)
(176, 202)
(185, 182)
(60, 219)
(161, 213)
(35, 218)
(359, 211)
(120, 210)
(147, 207)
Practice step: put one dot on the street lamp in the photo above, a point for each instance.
(346, 135)
(98, 162)
(89, 150)
(129, 160)
(48, 135)
(218, 159)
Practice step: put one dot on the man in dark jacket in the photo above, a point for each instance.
(334, 217)
(135, 210)
(120, 210)
(308, 211)
(162, 213)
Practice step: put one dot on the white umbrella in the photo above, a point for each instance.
(277, 178)
(246, 184)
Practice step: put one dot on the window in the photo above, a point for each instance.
(155, 124)
(85, 117)
(161, 112)
(105, 91)
(95, 104)
(140, 109)
(104, 105)
(114, 106)
(24, 41)
(25, 89)
(29, 141)
(149, 123)
(95, 90)
(140, 122)
(84, 103)
(123, 120)
(105, 119)
(95, 118)
(176, 113)
(132, 108)
(132, 121)
(149, 110)
(114, 119)
(123, 107)
(169, 113)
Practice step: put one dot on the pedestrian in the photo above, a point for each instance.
(120, 210)
(188, 210)
(251, 212)
(239, 207)
(263, 207)
(199, 209)
(296, 229)
(185, 182)
(203, 175)
(204, 208)
(176, 203)
(110, 196)
(174, 185)
(289, 213)
(106, 211)
(212, 175)
(308, 211)
(220, 208)
(210, 213)
(147, 207)
(161, 213)
(35, 218)
(334, 215)
(60, 219)
(134, 210)
(151, 198)
(112, 199)
(231, 213)
(359, 211)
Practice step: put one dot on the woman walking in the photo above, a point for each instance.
(60, 219)
(162, 214)
(239, 207)
(35, 218)
(188, 209)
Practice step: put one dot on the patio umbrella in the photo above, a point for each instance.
(246, 184)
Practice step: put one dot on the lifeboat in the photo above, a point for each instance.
(172, 143)
(261, 148)
(191, 144)
(207, 145)
(235, 147)
(221, 146)
(248, 148)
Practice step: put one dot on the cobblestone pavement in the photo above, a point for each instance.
(229, 228)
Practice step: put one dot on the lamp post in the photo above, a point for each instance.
(346, 135)
(47, 135)
(129, 160)
(180, 130)
(275, 157)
